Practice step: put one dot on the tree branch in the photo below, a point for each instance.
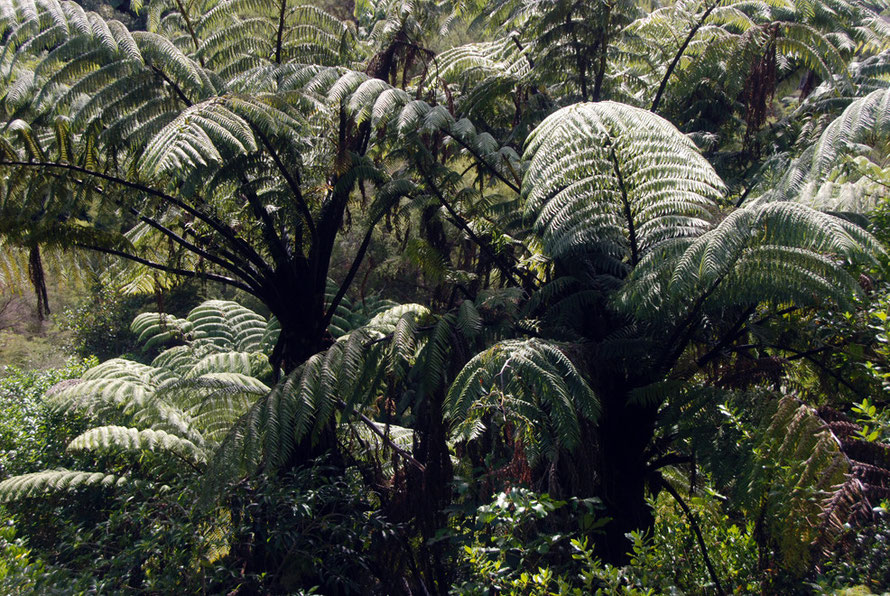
(505, 268)
(683, 333)
(808, 355)
(277, 246)
(670, 459)
(475, 154)
(234, 264)
(231, 267)
(293, 184)
(350, 275)
(735, 331)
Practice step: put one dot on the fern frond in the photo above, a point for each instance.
(865, 121)
(203, 133)
(157, 328)
(531, 380)
(100, 395)
(780, 252)
(39, 483)
(249, 364)
(614, 180)
(133, 439)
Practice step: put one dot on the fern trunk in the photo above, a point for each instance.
(625, 433)
(430, 491)
(38, 280)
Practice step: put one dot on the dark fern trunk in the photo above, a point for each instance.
(295, 293)
(625, 433)
(429, 491)
(38, 280)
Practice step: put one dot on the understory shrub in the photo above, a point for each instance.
(32, 435)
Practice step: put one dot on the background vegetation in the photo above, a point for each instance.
(514, 297)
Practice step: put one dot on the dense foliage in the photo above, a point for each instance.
(531, 297)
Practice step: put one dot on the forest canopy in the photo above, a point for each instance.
(515, 296)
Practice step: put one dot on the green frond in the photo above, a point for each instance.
(865, 121)
(30, 141)
(178, 359)
(129, 370)
(159, 52)
(194, 391)
(228, 326)
(533, 382)
(300, 405)
(100, 395)
(272, 427)
(249, 364)
(270, 335)
(778, 252)
(386, 321)
(157, 328)
(403, 347)
(203, 133)
(809, 47)
(399, 435)
(468, 321)
(121, 438)
(614, 180)
(478, 61)
(39, 483)
(795, 444)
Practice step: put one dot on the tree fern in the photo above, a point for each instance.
(615, 182)
(187, 100)
(530, 384)
(237, 141)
